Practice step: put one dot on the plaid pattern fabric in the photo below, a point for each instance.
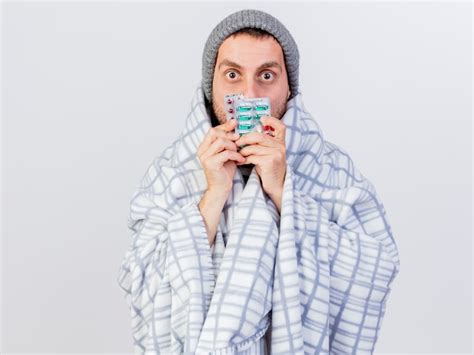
(314, 279)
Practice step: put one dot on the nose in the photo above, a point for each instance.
(251, 88)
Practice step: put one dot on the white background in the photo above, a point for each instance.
(92, 92)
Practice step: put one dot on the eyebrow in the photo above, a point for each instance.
(229, 63)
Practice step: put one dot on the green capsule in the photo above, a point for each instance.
(245, 117)
(261, 107)
(244, 108)
(245, 126)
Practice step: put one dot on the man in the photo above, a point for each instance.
(251, 62)
(282, 246)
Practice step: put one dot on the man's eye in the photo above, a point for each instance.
(231, 74)
(267, 76)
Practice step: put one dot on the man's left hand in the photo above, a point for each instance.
(268, 153)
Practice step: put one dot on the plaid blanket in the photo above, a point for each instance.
(313, 279)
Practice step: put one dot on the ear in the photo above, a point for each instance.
(289, 93)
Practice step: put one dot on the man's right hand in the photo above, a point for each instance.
(218, 156)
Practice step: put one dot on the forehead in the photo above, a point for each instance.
(249, 51)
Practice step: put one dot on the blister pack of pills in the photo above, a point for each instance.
(247, 112)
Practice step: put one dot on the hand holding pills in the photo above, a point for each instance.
(268, 154)
(261, 142)
(218, 156)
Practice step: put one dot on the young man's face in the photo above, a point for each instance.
(254, 67)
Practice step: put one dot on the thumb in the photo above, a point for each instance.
(227, 126)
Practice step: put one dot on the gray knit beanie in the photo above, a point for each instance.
(249, 19)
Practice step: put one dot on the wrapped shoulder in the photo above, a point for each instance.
(343, 172)
(153, 197)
